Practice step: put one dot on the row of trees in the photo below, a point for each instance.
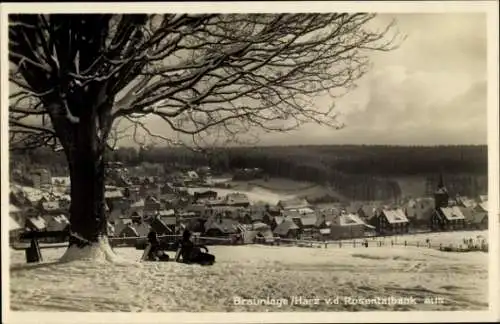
(341, 168)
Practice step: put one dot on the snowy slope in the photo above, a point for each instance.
(252, 272)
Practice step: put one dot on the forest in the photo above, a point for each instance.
(355, 172)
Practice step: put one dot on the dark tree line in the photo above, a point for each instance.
(356, 172)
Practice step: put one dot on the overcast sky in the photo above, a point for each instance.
(431, 90)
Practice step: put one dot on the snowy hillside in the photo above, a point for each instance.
(458, 280)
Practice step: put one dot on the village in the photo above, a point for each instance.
(139, 200)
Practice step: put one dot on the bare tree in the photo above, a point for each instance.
(206, 76)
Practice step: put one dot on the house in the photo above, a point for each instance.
(391, 221)
(306, 219)
(448, 218)
(215, 202)
(56, 222)
(419, 212)
(258, 232)
(50, 207)
(41, 177)
(151, 205)
(325, 219)
(205, 195)
(35, 223)
(61, 181)
(237, 199)
(166, 213)
(296, 203)
(113, 194)
(287, 228)
(347, 226)
(218, 226)
(445, 216)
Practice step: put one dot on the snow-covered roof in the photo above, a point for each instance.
(309, 219)
(51, 205)
(294, 203)
(350, 220)
(452, 213)
(61, 219)
(237, 197)
(37, 222)
(166, 212)
(168, 220)
(60, 180)
(395, 216)
(225, 225)
(259, 225)
(136, 204)
(285, 226)
(110, 194)
(325, 231)
(303, 210)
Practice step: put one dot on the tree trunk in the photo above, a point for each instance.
(88, 218)
(85, 156)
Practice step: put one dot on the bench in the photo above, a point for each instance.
(33, 249)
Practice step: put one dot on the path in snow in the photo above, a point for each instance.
(253, 271)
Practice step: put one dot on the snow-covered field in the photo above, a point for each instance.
(254, 194)
(457, 281)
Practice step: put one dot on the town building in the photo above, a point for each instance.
(445, 217)
(347, 226)
(391, 221)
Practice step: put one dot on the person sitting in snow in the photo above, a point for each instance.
(155, 251)
(190, 253)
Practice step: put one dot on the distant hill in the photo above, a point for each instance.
(361, 172)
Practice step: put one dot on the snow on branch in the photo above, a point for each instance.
(198, 73)
(273, 62)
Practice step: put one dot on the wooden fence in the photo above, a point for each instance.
(117, 242)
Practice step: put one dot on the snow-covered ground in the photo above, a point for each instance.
(255, 194)
(457, 281)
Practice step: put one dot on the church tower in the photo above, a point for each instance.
(441, 196)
